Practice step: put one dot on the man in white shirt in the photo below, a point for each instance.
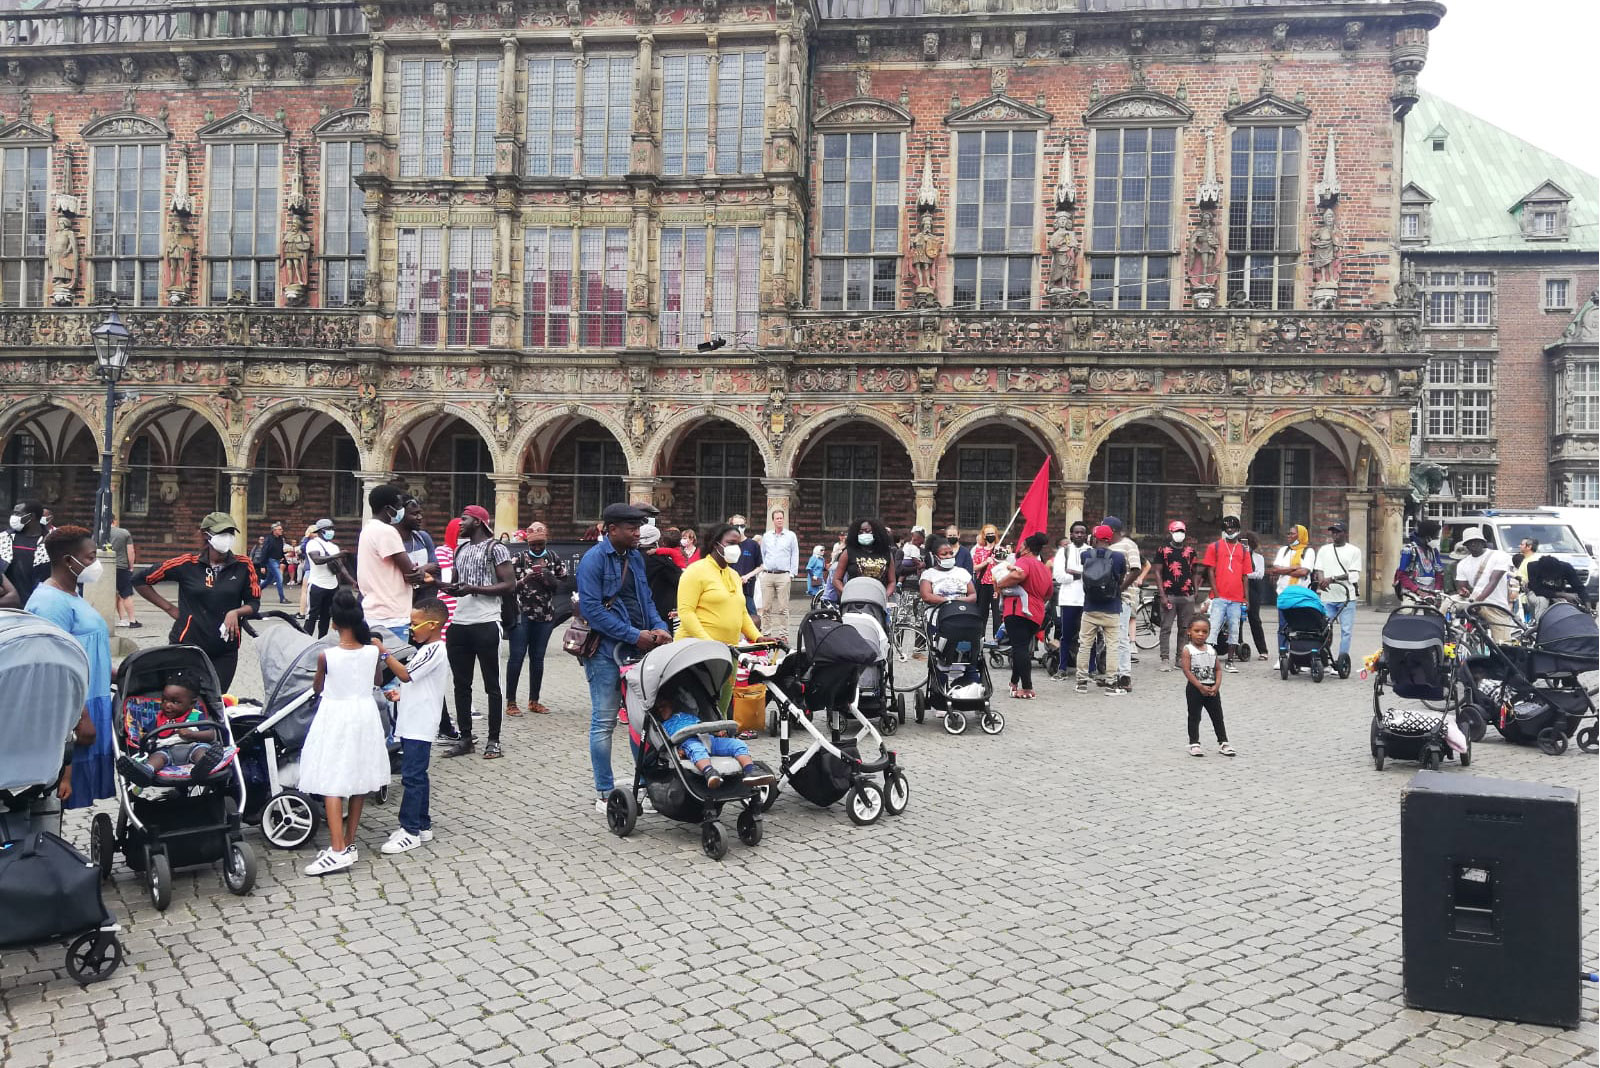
(1130, 593)
(1340, 565)
(1482, 576)
(322, 578)
(780, 563)
(1068, 571)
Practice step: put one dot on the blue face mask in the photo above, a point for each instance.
(327, 535)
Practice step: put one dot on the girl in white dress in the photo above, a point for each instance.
(345, 756)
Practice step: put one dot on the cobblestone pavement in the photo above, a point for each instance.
(1076, 891)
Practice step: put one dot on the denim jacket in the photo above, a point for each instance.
(633, 610)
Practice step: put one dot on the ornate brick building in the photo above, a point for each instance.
(482, 247)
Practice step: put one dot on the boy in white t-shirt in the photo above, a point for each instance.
(420, 705)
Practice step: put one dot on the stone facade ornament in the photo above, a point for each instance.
(303, 67)
(999, 77)
(1209, 192)
(1201, 266)
(296, 260)
(63, 261)
(1327, 190)
(188, 70)
(1066, 43)
(927, 192)
(1066, 191)
(179, 266)
(1325, 262)
(1063, 246)
(1407, 293)
(863, 81)
(182, 201)
(926, 249)
(14, 72)
(930, 46)
(227, 65)
(128, 69)
(1207, 48)
(72, 72)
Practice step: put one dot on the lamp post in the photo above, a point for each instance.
(111, 350)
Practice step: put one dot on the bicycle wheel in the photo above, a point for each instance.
(1147, 630)
(909, 646)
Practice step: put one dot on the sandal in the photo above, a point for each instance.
(1026, 695)
(1015, 693)
(539, 709)
(1195, 750)
(746, 736)
(1225, 749)
(512, 709)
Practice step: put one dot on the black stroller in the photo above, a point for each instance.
(821, 676)
(1535, 693)
(691, 675)
(958, 684)
(175, 818)
(49, 892)
(1412, 663)
(1308, 636)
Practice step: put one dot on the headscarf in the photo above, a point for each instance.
(452, 534)
(1297, 548)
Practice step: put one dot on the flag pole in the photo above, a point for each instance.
(1001, 540)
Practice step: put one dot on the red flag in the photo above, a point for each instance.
(1035, 507)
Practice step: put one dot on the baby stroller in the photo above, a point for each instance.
(820, 676)
(49, 892)
(271, 735)
(177, 817)
(865, 606)
(958, 684)
(1535, 691)
(1412, 663)
(1308, 635)
(691, 675)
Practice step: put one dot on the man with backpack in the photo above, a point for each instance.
(1103, 577)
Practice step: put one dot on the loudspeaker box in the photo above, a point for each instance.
(1490, 898)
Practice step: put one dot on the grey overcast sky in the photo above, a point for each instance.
(1528, 66)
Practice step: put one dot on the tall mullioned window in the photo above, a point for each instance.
(422, 108)
(443, 280)
(242, 216)
(685, 113)
(477, 95)
(1460, 298)
(1459, 398)
(607, 124)
(125, 223)
(860, 237)
(552, 116)
(1263, 220)
(1130, 239)
(994, 255)
(741, 111)
(344, 226)
(554, 287)
(986, 484)
(24, 184)
(734, 284)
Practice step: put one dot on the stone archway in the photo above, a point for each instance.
(305, 463)
(985, 463)
(568, 467)
(1150, 466)
(445, 460)
(847, 465)
(50, 452)
(175, 465)
(708, 466)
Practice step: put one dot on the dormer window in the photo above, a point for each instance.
(1543, 213)
(1416, 215)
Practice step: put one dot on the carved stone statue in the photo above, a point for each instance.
(1063, 246)
(63, 262)
(1407, 293)
(1325, 262)
(1201, 266)
(926, 248)
(296, 258)
(180, 260)
(187, 70)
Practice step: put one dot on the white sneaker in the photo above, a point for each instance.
(646, 806)
(1277, 664)
(426, 836)
(328, 862)
(401, 841)
(600, 805)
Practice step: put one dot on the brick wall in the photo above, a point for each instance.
(896, 502)
(1028, 458)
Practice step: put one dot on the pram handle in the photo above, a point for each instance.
(762, 646)
(244, 624)
(198, 725)
(718, 726)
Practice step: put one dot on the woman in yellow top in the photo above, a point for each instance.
(710, 595)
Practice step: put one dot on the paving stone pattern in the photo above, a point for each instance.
(1077, 891)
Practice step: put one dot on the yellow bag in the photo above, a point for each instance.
(750, 707)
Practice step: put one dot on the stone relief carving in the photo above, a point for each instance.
(926, 249)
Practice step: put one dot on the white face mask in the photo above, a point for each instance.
(1231, 535)
(731, 553)
(221, 543)
(946, 562)
(91, 573)
(17, 524)
(1178, 536)
(864, 539)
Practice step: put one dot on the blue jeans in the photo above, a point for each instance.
(414, 757)
(695, 749)
(1071, 619)
(529, 639)
(1345, 613)
(1227, 623)
(275, 576)
(1125, 653)
(605, 698)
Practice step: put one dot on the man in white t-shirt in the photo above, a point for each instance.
(1482, 576)
(1339, 563)
(1068, 572)
(326, 571)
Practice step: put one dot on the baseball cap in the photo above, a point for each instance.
(323, 524)
(478, 512)
(1104, 532)
(1113, 522)
(1337, 526)
(217, 522)
(1176, 524)
(623, 513)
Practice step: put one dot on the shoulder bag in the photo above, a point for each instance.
(579, 639)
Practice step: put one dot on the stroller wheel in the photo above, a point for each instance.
(900, 706)
(1470, 719)
(239, 868)
(955, 722)
(622, 812)
(1587, 740)
(1379, 750)
(896, 792)
(992, 722)
(1428, 758)
(919, 705)
(94, 956)
(158, 880)
(1342, 665)
(380, 796)
(766, 796)
(713, 840)
(102, 844)
(289, 819)
(1317, 672)
(864, 804)
(749, 828)
(888, 724)
(1283, 666)
(1552, 741)
(1244, 650)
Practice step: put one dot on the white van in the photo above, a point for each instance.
(1504, 530)
(1585, 521)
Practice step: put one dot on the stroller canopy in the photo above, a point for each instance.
(288, 660)
(870, 628)
(865, 591)
(44, 674)
(1410, 629)
(700, 663)
(1570, 634)
(828, 641)
(1300, 597)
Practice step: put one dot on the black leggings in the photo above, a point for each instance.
(465, 644)
(1212, 703)
(321, 610)
(987, 609)
(1020, 631)
(1252, 610)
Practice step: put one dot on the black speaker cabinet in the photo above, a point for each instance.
(1490, 898)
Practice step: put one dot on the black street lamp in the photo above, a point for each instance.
(112, 344)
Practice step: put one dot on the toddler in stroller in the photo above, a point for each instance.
(190, 743)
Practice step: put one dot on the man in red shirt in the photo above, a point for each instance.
(1227, 563)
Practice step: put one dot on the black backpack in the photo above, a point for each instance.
(1099, 577)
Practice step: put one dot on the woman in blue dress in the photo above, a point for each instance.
(72, 561)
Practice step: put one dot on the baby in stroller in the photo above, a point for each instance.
(699, 753)
(192, 746)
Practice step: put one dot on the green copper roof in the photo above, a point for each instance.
(1479, 178)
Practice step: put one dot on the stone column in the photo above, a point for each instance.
(1233, 502)
(507, 502)
(370, 480)
(239, 503)
(1360, 507)
(923, 491)
(1072, 498)
(1389, 534)
(641, 490)
(780, 497)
